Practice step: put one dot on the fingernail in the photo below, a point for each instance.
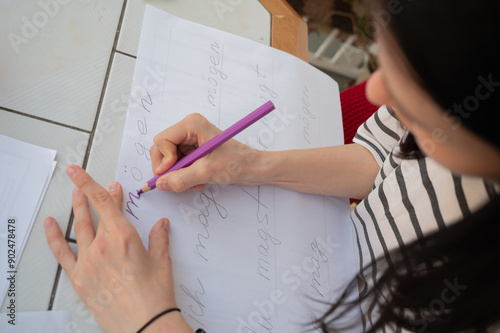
(72, 172)
(113, 186)
(160, 168)
(48, 223)
(76, 192)
(166, 225)
(163, 185)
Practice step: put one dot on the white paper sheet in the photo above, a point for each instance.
(246, 259)
(25, 172)
(39, 321)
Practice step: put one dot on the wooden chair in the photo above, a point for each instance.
(289, 30)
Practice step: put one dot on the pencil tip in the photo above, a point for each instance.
(139, 192)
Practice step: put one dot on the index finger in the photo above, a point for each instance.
(192, 131)
(98, 196)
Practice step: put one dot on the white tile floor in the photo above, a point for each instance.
(55, 59)
(65, 74)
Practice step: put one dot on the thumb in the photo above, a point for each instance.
(158, 238)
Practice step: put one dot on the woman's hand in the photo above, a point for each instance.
(345, 171)
(123, 284)
(231, 163)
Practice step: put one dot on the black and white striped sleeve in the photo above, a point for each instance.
(380, 133)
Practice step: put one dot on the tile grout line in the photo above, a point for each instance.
(126, 54)
(89, 145)
(44, 120)
(103, 91)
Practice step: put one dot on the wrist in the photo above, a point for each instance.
(261, 168)
(172, 322)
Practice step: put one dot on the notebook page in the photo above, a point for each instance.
(245, 258)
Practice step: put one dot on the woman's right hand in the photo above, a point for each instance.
(231, 163)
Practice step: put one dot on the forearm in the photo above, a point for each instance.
(346, 171)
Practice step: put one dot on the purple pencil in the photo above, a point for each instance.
(213, 143)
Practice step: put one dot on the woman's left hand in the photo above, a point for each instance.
(123, 284)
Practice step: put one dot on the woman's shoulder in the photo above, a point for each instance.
(381, 133)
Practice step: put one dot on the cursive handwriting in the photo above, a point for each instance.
(206, 199)
(197, 307)
(266, 93)
(148, 101)
(131, 202)
(266, 240)
(145, 103)
(142, 150)
(318, 257)
(216, 76)
(306, 114)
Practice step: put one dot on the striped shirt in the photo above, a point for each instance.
(410, 197)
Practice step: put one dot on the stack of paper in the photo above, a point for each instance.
(25, 172)
(39, 321)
